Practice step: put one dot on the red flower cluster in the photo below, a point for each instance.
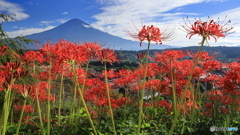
(39, 91)
(2, 50)
(106, 55)
(10, 72)
(152, 33)
(168, 70)
(27, 108)
(207, 29)
(32, 56)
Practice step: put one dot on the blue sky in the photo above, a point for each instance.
(115, 16)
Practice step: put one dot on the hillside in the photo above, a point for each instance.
(224, 54)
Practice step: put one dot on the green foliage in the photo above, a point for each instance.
(16, 43)
(222, 53)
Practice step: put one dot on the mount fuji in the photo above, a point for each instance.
(77, 31)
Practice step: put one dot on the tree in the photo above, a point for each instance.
(15, 45)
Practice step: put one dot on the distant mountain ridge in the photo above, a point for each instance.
(75, 30)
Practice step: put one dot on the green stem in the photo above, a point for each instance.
(109, 98)
(175, 112)
(85, 75)
(86, 108)
(73, 101)
(78, 115)
(193, 68)
(6, 108)
(187, 86)
(173, 91)
(48, 100)
(60, 101)
(21, 115)
(142, 93)
(5, 112)
(39, 111)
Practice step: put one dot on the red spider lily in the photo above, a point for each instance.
(32, 56)
(2, 50)
(188, 106)
(232, 79)
(225, 100)
(44, 75)
(28, 120)
(126, 78)
(165, 104)
(96, 91)
(11, 71)
(152, 33)
(165, 56)
(65, 51)
(198, 71)
(58, 67)
(106, 55)
(90, 82)
(161, 86)
(27, 108)
(153, 84)
(47, 49)
(22, 89)
(215, 92)
(80, 75)
(182, 66)
(115, 103)
(211, 65)
(91, 49)
(203, 55)
(9, 66)
(141, 56)
(2, 79)
(152, 70)
(119, 102)
(40, 91)
(173, 54)
(188, 94)
(110, 74)
(229, 86)
(234, 67)
(207, 29)
(215, 79)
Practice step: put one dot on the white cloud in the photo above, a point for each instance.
(62, 20)
(46, 22)
(117, 15)
(28, 31)
(65, 13)
(13, 9)
(54, 21)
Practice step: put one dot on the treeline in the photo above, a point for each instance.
(220, 53)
